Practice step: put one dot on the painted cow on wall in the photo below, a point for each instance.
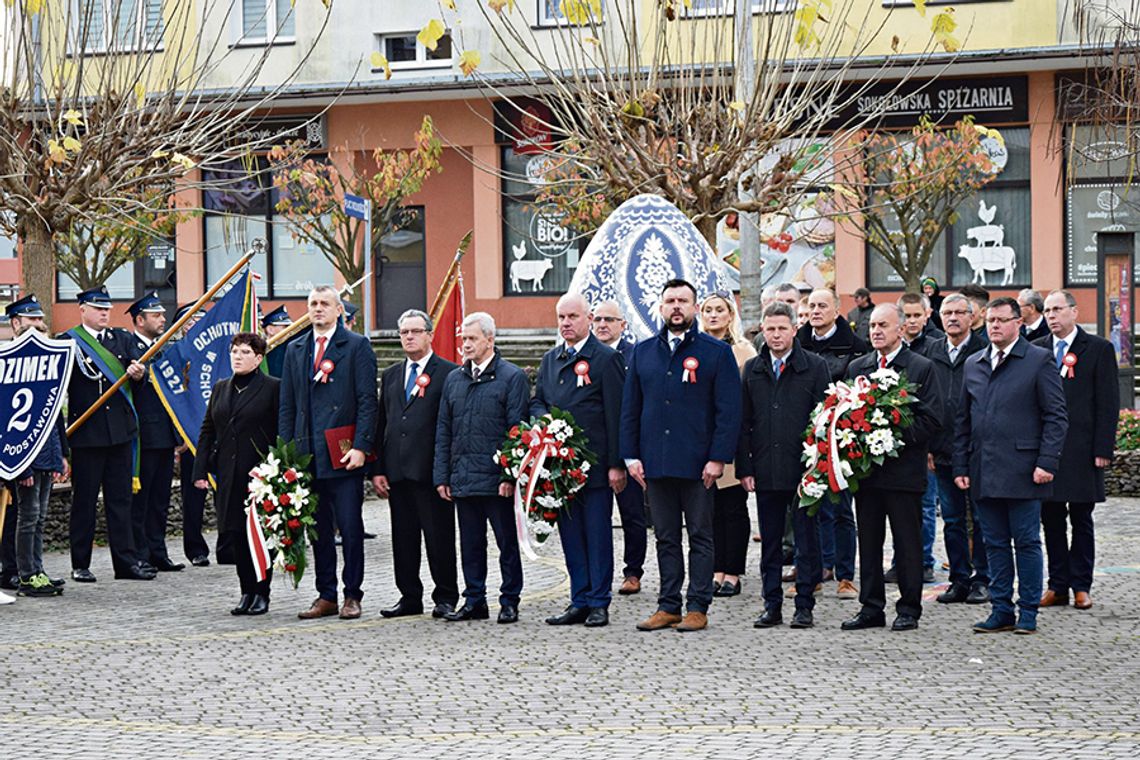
(984, 259)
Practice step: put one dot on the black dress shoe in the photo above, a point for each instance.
(10, 582)
(58, 582)
(508, 613)
(243, 605)
(368, 535)
(570, 616)
(864, 620)
(165, 565)
(146, 567)
(928, 575)
(956, 594)
(200, 561)
(82, 575)
(728, 589)
(134, 573)
(598, 617)
(802, 619)
(259, 606)
(979, 594)
(468, 612)
(891, 576)
(905, 623)
(441, 610)
(402, 609)
(770, 619)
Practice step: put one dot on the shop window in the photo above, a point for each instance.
(99, 26)
(267, 21)
(403, 52)
(152, 271)
(539, 253)
(993, 234)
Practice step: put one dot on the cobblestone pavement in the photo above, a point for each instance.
(126, 669)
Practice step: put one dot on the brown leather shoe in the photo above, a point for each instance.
(631, 585)
(659, 620)
(694, 621)
(789, 574)
(321, 608)
(1082, 600)
(351, 609)
(1052, 599)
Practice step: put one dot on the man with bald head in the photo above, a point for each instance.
(584, 377)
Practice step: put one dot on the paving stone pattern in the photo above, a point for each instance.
(127, 669)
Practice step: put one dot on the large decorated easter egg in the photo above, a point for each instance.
(644, 243)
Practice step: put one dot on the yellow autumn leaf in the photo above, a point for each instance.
(73, 117)
(920, 6)
(159, 153)
(182, 161)
(380, 62)
(592, 40)
(449, 4)
(736, 105)
(71, 145)
(580, 12)
(469, 60)
(430, 35)
(498, 5)
(140, 93)
(942, 27)
(844, 191)
(56, 152)
(33, 6)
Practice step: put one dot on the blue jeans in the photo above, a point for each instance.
(837, 536)
(966, 568)
(31, 509)
(929, 519)
(1012, 531)
(586, 532)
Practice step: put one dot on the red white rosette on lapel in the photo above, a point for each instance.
(324, 369)
(690, 374)
(422, 382)
(582, 370)
(1068, 361)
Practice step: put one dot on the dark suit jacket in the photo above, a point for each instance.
(236, 432)
(309, 407)
(907, 471)
(1010, 421)
(1033, 336)
(1092, 398)
(596, 407)
(950, 384)
(114, 424)
(929, 334)
(776, 414)
(405, 428)
(838, 350)
(156, 431)
(625, 348)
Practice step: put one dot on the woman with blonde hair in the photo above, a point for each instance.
(731, 524)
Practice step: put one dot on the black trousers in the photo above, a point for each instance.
(731, 530)
(670, 499)
(1070, 563)
(773, 509)
(416, 509)
(150, 505)
(474, 513)
(109, 468)
(874, 506)
(193, 505)
(247, 575)
(634, 526)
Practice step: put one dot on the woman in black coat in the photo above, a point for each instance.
(240, 426)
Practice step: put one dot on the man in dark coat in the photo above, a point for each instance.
(1089, 377)
(782, 385)
(830, 337)
(583, 377)
(329, 407)
(481, 401)
(894, 490)
(410, 392)
(157, 440)
(1007, 450)
(609, 326)
(239, 427)
(103, 448)
(969, 581)
(1033, 324)
(680, 424)
(859, 318)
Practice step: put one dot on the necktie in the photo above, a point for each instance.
(411, 384)
(1000, 358)
(953, 351)
(779, 368)
(571, 353)
(1061, 346)
(320, 352)
(475, 372)
(105, 337)
(882, 362)
(676, 344)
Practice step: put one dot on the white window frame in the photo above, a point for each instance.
(107, 44)
(273, 33)
(422, 61)
(544, 20)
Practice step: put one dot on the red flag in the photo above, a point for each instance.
(447, 342)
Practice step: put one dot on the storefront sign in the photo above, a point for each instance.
(265, 132)
(1092, 209)
(996, 100)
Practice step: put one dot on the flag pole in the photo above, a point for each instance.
(258, 247)
(449, 280)
(303, 321)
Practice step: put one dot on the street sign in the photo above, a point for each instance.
(356, 207)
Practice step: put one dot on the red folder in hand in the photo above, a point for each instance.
(339, 441)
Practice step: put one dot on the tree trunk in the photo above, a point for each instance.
(38, 264)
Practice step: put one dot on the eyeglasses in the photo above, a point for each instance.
(955, 313)
(412, 331)
(1000, 320)
(607, 319)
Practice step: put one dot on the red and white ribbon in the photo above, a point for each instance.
(1068, 361)
(582, 370)
(847, 400)
(540, 445)
(324, 369)
(256, 539)
(690, 374)
(422, 382)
